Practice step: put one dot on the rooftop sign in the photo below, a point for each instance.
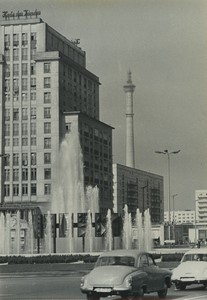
(20, 14)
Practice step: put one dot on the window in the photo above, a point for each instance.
(7, 114)
(7, 85)
(15, 39)
(47, 173)
(33, 69)
(33, 83)
(15, 129)
(24, 189)
(47, 127)
(47, 97)
(33, 96)
(16, 97)
(7, 40)
(7, 55)
(6, 174)
(47, 158)
(47, 67)
(33, 141)
(33, 112)
(6, 190)
(15, 54)
(33, 53)
(47, 188)
(16, 85)
(7, 70)
(24, 84)
(24, 96)
(15, 174)
(24, 141)
(24, 39)
(33, 159)
(47, 82)
(15, 159)
(24, 129)
(33, 128)
(7, 97)
(33, 37)
(7, 142)
(15, 114)
(7, 160)
(24, 69)
(15, 190)
(24, 159)
(24, 174)
(47, 112)
(33, 173)
(16, 69)
(24, 53)
(7, 130)
(33, 189)
(24, 114)
(47, 143)
(15, 142)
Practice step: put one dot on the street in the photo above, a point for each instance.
(57, 287)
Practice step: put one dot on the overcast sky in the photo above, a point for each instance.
(164, 43)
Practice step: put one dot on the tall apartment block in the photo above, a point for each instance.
(44, 86)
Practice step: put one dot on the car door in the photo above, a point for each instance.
(144, 265)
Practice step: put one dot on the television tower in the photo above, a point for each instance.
(129, 90)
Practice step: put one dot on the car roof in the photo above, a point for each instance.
(122, 252)
(197, 251)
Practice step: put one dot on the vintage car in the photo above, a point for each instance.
(192, 269)
(127, 273)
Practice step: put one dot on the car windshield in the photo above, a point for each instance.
(195, 257)
(115, 260)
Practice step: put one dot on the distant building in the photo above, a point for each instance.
(44, 85)
(138, 189)
(201, 206)
(180, 216)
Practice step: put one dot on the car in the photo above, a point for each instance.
(192, 269)
(126, 273)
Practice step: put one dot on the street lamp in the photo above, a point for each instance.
(173, 196)
(166, 152)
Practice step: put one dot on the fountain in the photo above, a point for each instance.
(70, 196)
(89, 234)
(108, 237)
(127, 229)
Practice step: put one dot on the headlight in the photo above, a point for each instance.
(82, 281)
(128, 281)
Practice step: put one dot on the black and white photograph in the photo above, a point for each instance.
(103, 149)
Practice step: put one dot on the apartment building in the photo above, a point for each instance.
(44, 78)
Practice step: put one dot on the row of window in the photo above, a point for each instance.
(24, 36)
(24, 84)
(25, 114)
(16, 54)
(25, 159)
(47, 174)
(25, 189)
(47, 97)
(26, 140)
(24, 70)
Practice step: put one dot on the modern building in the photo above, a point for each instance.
(138, 189)
(180, 216)
(201, 206)
(44, 86)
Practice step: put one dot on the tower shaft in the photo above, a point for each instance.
(129, 90)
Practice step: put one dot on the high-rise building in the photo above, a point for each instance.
(44, 86)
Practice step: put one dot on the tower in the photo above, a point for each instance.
(129, 90)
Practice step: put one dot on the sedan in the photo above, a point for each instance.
(192, 269)
(127, 273)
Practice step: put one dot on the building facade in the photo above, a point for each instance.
(138, 189)
(180, 216)
(43, 77)
(201, 206)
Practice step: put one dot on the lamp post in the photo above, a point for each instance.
(173, 196)
(166, 152)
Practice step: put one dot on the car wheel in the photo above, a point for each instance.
(163, 293)
(93, 297)
(180, 286)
